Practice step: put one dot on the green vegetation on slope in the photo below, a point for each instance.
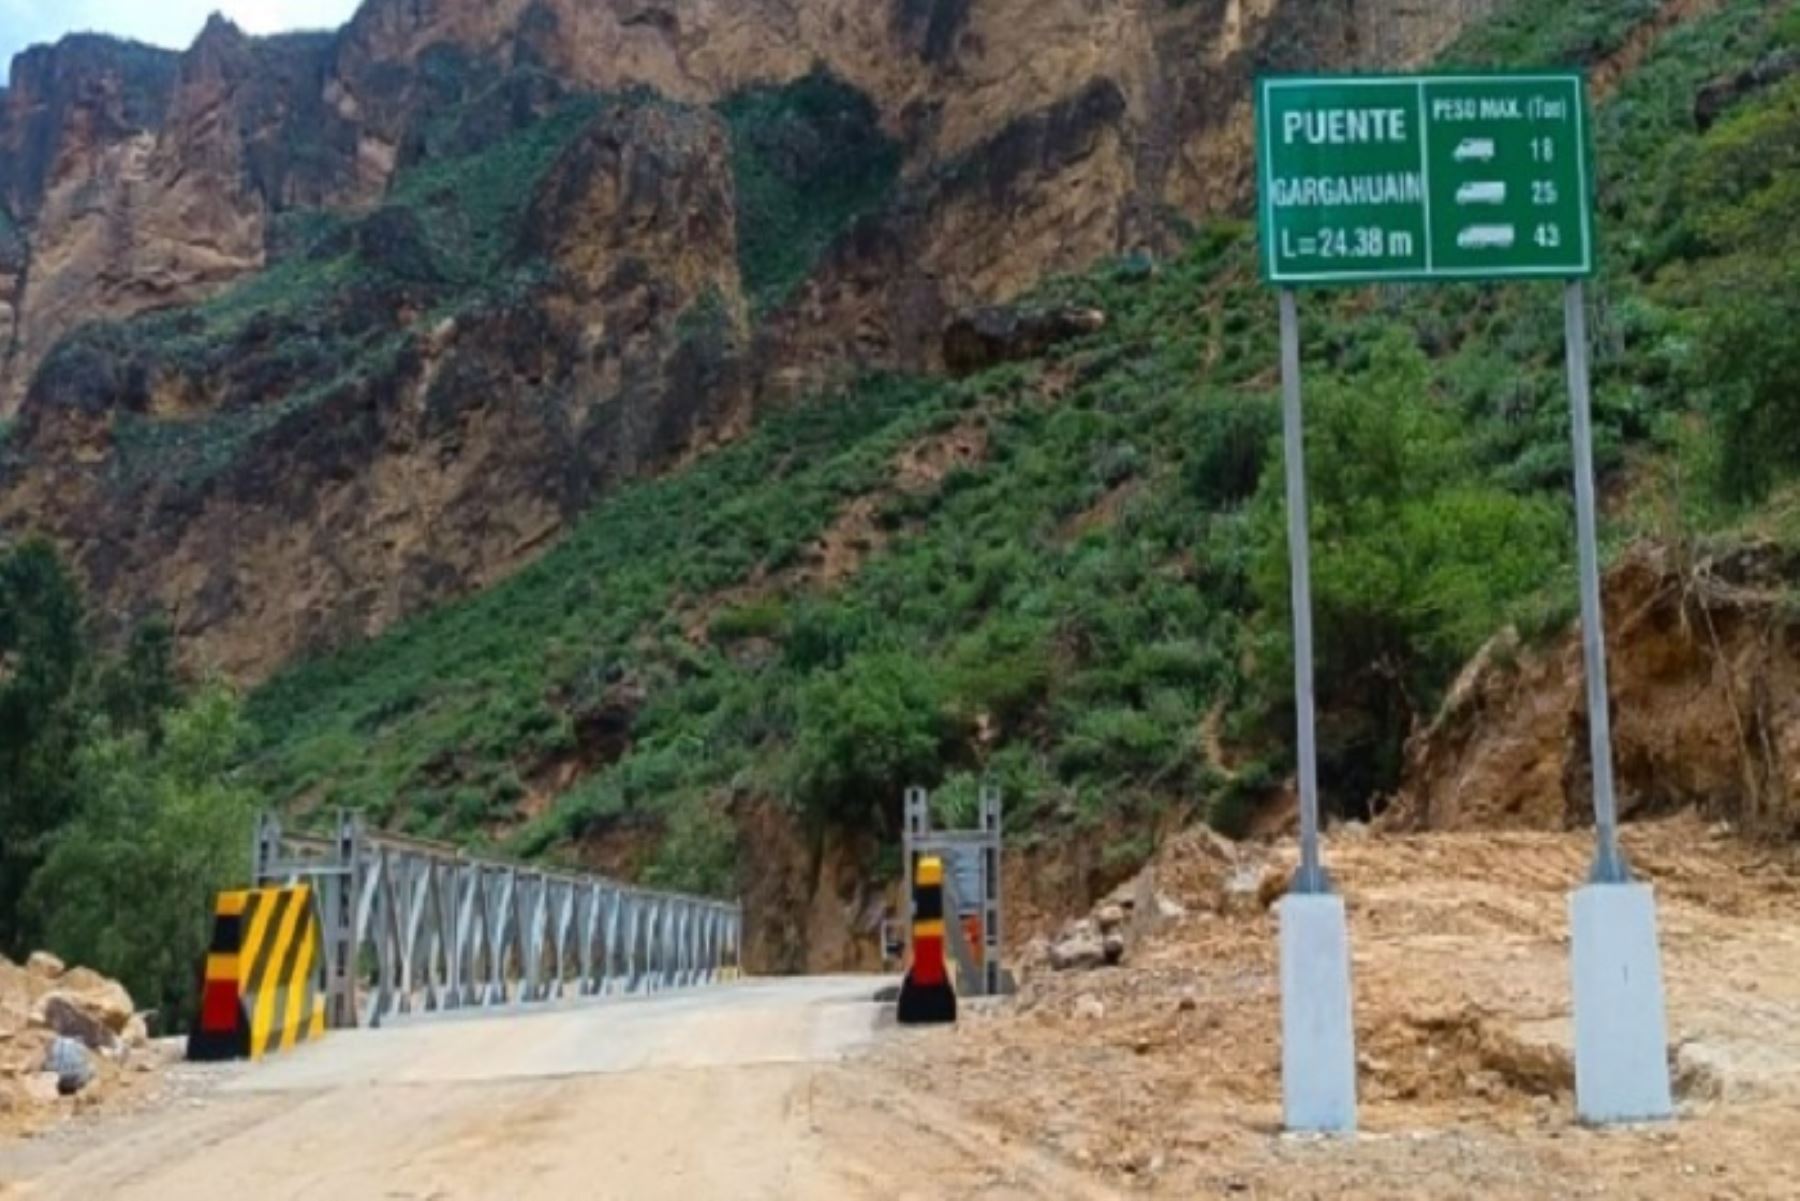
(1069, 612)
(809, 157)
(1080, 607)
(1063, 614)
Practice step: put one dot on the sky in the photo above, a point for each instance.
(172, 23)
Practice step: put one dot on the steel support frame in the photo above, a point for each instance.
(985, 842)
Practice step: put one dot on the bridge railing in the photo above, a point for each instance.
(412, 926)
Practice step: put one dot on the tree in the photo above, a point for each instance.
(866, 731)
(1737, 199)
(42, 655)
(1415, 563)
(162, 825)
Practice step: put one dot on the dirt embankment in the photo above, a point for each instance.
(1162, 1077)
(1704, 667)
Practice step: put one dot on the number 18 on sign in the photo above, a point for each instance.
(1446, 177)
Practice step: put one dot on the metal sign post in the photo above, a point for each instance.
(1311, 877)
(1621, 1028)
(1318, 1042)
(1365, 179)
(1609, 861)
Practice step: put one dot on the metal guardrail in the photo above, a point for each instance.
(412, 926)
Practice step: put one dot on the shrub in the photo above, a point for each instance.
(866, 732)
(1226, 445)
(128, 884)
(759, 618)
(808, 157)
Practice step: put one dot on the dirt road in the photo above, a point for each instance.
(734, 1094)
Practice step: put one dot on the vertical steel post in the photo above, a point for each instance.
(1311, 876)
(265, 849)
(991, 913)
(915, 824)
(1318, 1039)
(1609, 860)
(340, 920)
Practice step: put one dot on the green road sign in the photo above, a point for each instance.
(1388, 177)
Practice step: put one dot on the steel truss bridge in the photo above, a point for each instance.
(411, 927)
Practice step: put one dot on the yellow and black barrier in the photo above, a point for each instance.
(262, 988)
(926, 995)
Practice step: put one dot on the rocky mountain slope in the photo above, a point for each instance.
(1063, 569)
(415, 292)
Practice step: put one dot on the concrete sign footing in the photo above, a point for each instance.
(1318, 1043)
(1621, 1030)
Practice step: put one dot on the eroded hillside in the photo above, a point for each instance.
(408, 315)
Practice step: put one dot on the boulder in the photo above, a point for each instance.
(22, 1051)
(998, 334)
(1718, 96)
(1251, 888)
(1079, 949)
(68, 1017)
(15, 1015)
(103, 998)
(1109, 918)
(73, 1067)
(45, 966)
(1113, 948)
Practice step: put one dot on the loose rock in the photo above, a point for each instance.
(1080, 948)
(42, 1088)
(104, 999)
(985, 337)
(45, 965)
(69, 1060)
(71, 1019)
(1249, 889)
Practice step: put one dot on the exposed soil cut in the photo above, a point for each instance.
(1705, 687)
(1163, 1076)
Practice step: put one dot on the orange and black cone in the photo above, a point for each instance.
(926, 996)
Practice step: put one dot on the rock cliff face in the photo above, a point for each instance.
(298, 335)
